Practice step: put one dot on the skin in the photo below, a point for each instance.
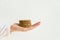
(15, 27)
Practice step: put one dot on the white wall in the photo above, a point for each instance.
(46, 11)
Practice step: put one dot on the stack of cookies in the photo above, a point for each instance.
(25, 23)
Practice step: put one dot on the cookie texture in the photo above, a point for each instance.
(25, 23)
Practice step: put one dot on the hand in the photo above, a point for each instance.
(15, 27)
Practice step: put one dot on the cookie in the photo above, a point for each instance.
(25, 23)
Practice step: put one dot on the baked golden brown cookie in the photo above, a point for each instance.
(25, 23)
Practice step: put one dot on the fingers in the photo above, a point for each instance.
(36, 24)
(33, 26)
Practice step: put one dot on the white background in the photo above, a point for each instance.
(46, 11)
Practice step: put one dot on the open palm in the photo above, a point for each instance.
(15, 27)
